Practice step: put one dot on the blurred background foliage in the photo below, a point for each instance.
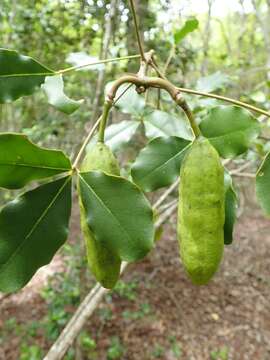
(228, 53)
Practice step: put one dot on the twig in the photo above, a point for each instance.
(167, 205)
(88, 137)
(214, 96)
(122, 93)
(166, 215)
(137, 29)
(164, 196)
(72, 68)
(227, 99)
(240, 169)
(248, 175)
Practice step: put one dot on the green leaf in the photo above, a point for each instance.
(231, 203)
(19, 75)
(158, 164)
(263, 185)
(230, 129)
(130, 102)
(117, 135)
(160, 123)
(213, 82)
(54, 89)
(189, 26)
(21, 161)
(32, 228)
(118, 214)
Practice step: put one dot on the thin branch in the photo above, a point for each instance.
(227, 99)
(241, 174)
(88, 137)
(122, 93)
(241, 168)
(72, 68)
(214, 96)
(166, 215)
(167, 205)
(137, 29)
(164, 196)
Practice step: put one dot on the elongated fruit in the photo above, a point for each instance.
(201, 211)
(103, 263)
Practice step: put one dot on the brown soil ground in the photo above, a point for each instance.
(182, 321)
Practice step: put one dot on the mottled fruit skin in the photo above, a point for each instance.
(201, 213)
(103, 263)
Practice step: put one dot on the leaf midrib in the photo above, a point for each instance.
(4, 265)
(165, 163)
(33, 166)
(106, 208)
(26, 74)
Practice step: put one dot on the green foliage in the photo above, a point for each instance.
(126, 289)
(161, 123)
(87, 342)
(129, 236)
(175, 347)
(231, 203)
(144, 310)
(158, 351)
(117, 135)
(230, 129)
(61, 293)
(130, 102)
(262, 185)
(159, 162)
(21, 161)
(30, 352)
(189, 26)
(54, 89)
(213, 82)
(221, 354)
(19, 75)
(41, 217)
(116, 349)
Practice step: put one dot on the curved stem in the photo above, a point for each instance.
(103, 120)
(146, 82)
(195, 128)
(159, 83)
(72, 68)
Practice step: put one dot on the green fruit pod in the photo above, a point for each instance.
(103, 263)
(201, 211)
